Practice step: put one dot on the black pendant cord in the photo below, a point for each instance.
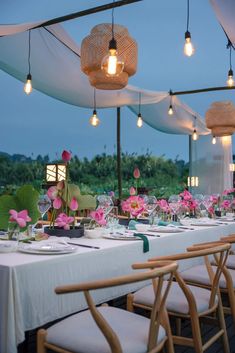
(113, 21)
(230, 57)
(139, 101)
(187, 15)
(29, 53)
(94, 99)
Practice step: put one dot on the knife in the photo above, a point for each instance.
(83, 245)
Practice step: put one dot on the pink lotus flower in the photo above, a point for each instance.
(225, 204)
(163, 204)
(185, 195)
(214, 199)
(132, 191)
(57, 203)
(73, 204)
(64, 221)
(66, 156)
(21, 218)
(54, 191)
(135, 205)
(99, 216)
(136, 173)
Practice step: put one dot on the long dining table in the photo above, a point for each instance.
(27, 281)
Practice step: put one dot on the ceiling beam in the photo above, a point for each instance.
(201, 90)
(86, 12)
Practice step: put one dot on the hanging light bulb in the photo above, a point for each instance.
(112, 63)
(194, 135)
(139, 121)
(170, 110)
(188, 46)
(28, 84)
(94, 120)
(230, 80)
(213, 140)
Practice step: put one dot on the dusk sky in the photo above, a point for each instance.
(38, 124)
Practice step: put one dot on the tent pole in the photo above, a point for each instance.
(119, 171)
(201, 90)
(190, 162)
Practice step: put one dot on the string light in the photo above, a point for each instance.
(94, 120)
(230, 80)
(139, 119)
(28, 84)
(195, 134)
(188, 46)
(112, 63)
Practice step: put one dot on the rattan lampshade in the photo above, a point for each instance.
(95, 47)
(220, 118)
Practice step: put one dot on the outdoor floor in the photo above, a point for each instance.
(29, 346)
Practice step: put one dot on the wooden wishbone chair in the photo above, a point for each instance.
(199, 276)
(189, 301)
(108, 329)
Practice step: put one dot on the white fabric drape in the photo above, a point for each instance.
(55, 69)
(225, 13)
(211, 164)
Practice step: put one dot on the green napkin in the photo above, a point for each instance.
(132, 226)
(145, 241)
(163, 223)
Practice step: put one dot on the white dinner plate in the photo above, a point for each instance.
(8, 245)
(204, 224)
(121, 237)
(46, 249)
(166, 230)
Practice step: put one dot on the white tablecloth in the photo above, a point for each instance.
(27, 282)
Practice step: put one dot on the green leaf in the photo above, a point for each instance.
(86, 202)
(26, 198)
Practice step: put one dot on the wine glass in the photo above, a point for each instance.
(174, 204)
(150, 207)
(106, 203)
(44, 204)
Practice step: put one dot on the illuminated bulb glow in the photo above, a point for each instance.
(194, 135)
(28, 85)
(112, 64)
(94, 120)
(213, 140)
(230, 80)
(188, 46)
(139, 120)
(170, 110)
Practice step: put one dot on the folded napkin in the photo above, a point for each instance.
(163, 223)
(132, 226)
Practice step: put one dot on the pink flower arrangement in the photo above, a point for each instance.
(187, 201)
(98, 216)
(21, 218)
(134, 205)
(64, 221)
(229, 191)
(64, 200)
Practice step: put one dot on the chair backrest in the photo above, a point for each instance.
(160, 269)
(220, 253)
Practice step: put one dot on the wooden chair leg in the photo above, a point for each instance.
(178, 326)
(129, 303)
(231, 296)
(41, 335)
(196, 331)
(223, 327)
(165, 322)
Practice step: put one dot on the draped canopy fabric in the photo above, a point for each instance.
(55, 68)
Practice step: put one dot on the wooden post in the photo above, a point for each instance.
(190, 162)
(119, 169)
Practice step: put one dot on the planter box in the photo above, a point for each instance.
(77, 232)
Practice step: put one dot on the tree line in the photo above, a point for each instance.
(98, 175)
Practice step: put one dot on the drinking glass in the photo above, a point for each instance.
(106, 203)
(44, 204)
(150, 207)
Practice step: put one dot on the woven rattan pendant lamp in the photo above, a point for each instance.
(220, 118)
(94, 48)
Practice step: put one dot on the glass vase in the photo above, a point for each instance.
(13, 231)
